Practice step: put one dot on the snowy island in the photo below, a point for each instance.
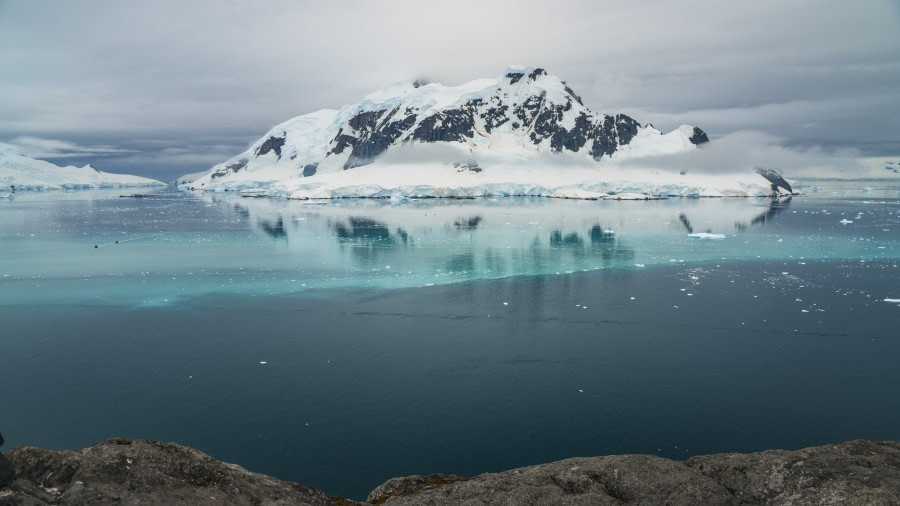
(18, 172)
(524, 133)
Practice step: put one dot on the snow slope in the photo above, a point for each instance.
(21, 173)
(524, 133)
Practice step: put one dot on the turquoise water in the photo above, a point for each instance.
(341, 344)
(169, 247)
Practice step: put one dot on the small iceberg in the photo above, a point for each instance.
(868, 189)
(253, 193)
(892, 301)
(706, 235)
(845, 221)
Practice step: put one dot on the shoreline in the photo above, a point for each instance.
(152, 472)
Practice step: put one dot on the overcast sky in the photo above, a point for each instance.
(165, 88)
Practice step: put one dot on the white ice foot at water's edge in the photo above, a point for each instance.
(435, 180)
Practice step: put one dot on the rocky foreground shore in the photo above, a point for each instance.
(131, 471)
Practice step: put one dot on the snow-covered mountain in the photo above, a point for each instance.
(524, 133)
(20, 173)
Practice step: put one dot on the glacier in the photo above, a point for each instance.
(19, 172)
(525, 133)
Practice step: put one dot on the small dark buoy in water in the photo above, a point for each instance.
(96, 246)
(1, 439)
(117, 242)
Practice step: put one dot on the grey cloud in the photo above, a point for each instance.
(37, 147)
(104, 72)
(746, 150)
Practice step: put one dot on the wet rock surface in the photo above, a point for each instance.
(147, 472)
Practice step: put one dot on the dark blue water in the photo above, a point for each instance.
(716, 350)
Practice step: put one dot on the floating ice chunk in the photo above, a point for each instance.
(253, 192)
(263, 362)
(705, 235)
(892, 301)
(506, 303)
(639, 265)
(845, 221)
(868, 189)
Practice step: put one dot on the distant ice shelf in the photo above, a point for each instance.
(19, 172)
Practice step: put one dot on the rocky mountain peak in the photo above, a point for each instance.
(525, 109)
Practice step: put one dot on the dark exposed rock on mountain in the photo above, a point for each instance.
(272, 144)
(147, 472)
(775, 178)
(524, 111)
(698, 137)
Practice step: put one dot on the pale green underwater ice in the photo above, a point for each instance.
(173, 246)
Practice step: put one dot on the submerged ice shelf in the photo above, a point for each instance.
(169, 247)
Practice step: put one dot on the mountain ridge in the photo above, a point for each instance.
(523, 118)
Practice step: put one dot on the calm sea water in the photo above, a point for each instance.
(344, 343)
